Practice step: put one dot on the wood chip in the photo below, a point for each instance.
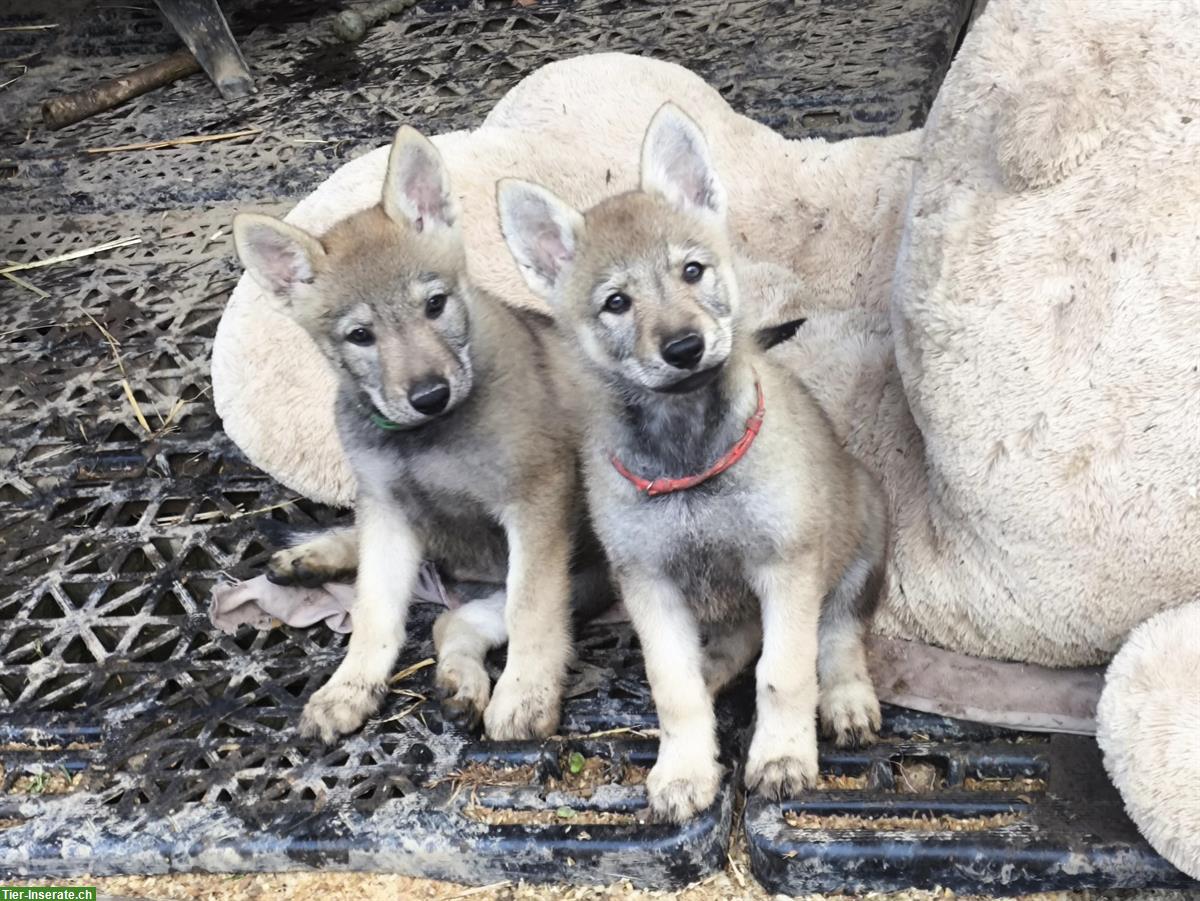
(504, 816)
(1017, 785)
(832, 782)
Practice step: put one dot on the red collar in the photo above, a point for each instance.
(735, 453)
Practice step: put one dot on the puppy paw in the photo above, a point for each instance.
(339, 708)
(308, 565)
(780, 769)
(850, 713)
(781, 778)
(681, 785)
(522, 708)
(464, 687)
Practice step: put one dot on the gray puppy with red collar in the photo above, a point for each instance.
(723, 498)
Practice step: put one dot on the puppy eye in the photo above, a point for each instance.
(617, 303)
(434, 306)
(360, 336)
(692, 272)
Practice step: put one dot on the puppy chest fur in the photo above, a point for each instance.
(712, 580)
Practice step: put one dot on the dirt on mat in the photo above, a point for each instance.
(809, 821)
(580, 778)
(582, 775)
(1018, 785)
(734, 883)
(58, 782)
(833, 782)
(563, 816)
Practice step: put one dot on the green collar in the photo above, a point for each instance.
(384, 423)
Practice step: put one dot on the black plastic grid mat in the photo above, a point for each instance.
(959, 805)
(194, 764)
(135, 738)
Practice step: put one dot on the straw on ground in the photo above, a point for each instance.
(176, 142)
(210, 515)
(73, 255)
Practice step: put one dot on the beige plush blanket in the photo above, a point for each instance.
(1034, 414)
(1046, 309)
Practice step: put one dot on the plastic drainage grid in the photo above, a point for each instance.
(200, 770)
(959, 805)
(134, 737)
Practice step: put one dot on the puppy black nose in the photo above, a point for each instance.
(430, 396)
(683, 352)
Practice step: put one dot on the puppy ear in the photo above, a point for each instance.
(541, 231)
(277, 255)
(416, 190)
(676, 163)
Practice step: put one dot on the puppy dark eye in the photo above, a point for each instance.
(692, 272)
(617, 303)
(435, 305)
(360, 336)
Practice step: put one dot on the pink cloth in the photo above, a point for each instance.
(262, 604)
(1015, 695)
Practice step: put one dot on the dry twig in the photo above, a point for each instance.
(217, 514)
(59, 112)
(177, 142)
(114, 346)
(622, 730)
(165, 425)
(23, 68)
(73, 255)
(409, 670)
(28, 286)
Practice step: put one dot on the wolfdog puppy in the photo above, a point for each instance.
(722, 497)
(458, 418)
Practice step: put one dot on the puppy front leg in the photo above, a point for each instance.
(528, 697)
(686, 776)
(783, 753)
(389, 557)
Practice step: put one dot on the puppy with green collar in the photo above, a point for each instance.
(459, 419)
